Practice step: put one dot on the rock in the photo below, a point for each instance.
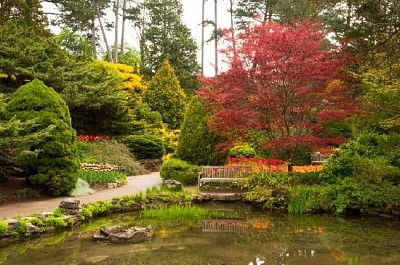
(173, 184)
(32, 229)
(112, 185)
(69, 204)
(108, 230)
(116, 234)
(229, 197)
(42, 216)
(12, 224)
(76, 212)
(200, 198)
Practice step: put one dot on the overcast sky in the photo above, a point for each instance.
(191, 18)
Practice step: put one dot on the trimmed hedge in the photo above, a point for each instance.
(180, 170)
(145, 146)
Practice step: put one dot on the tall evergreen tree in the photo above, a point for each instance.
(165, 95)
(197, 144)
(166, 37)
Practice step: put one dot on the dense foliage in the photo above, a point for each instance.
(165, 95)
(197, 144)
(53, 163)
(180, 170)
(145, 146)
(281, 84)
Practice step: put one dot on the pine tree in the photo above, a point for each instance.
(55, 164)
(165, 95)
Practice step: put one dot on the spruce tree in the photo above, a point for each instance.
(165, 95)
(54, 165)
(197, 144)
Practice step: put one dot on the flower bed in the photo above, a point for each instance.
(271, 165)
(92, 138)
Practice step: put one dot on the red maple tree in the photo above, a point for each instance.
(282, 82)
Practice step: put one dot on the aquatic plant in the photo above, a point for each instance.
(177, 212)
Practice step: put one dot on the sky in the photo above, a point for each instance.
(192, 19)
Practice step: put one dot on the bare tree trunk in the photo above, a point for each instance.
(103, 32)
(233, 28)
(93, 39)
(216, 36)
(115, 57)
(202, 35)
(123, 26)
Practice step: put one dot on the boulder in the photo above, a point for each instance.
(116, 234)
(70, 206)
(12, 224)
(32, 229)
(108, 230)
(173, 185)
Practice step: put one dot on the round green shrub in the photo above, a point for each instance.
(54, 164)
(197, 144)
(242, 150)
(145, 146)
(180, 170)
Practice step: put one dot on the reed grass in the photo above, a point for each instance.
(177, 212)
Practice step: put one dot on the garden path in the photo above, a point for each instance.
(135, 185)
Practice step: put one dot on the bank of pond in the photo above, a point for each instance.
(207, 233)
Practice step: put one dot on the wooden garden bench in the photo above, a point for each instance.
(223, 174)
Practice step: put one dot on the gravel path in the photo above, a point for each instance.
(135, 185)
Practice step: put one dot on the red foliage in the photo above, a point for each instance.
(91, 138)
(278, 84)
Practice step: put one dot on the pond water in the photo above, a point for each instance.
(258, 238)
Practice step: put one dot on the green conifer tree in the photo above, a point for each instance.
(197, 144)
(165, 95)
(54, 164)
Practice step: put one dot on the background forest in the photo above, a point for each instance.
(302, 77)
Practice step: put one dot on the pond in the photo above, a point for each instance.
(257, 238)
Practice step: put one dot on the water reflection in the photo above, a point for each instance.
(258, 240)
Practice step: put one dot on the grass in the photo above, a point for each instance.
(111, 152)
(102, 177)
(177, 212)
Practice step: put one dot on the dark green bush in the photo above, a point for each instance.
(53, 163)
(370, 155)
(180, 170)
(145, 146)
(197, 144)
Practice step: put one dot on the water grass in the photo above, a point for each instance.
(353, 261)
(303, 198)
(177, 212)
